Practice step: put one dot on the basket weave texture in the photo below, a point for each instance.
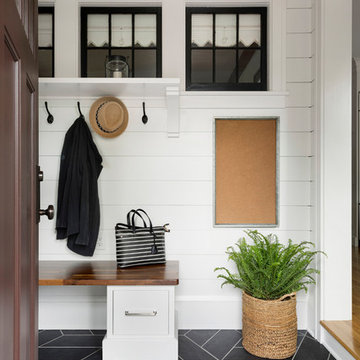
(270, 326)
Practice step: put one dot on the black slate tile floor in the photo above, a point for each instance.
(193, 345)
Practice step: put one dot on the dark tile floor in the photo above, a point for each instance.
(193, 345)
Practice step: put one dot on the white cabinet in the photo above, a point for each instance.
(140, 323)
(140, 312)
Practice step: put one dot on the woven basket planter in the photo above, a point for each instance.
(270, 326)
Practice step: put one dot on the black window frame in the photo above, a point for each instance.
(49, 10)
(122, 10)
(213, 86)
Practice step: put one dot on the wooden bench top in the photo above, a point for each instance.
(106, 273)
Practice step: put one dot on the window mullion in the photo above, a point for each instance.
(213, 54)
(110, 33)
(133, 44)
(237, 49)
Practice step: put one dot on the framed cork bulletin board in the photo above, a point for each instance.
(246, 172)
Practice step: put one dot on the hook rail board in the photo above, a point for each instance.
(168, 88)
(246, 172)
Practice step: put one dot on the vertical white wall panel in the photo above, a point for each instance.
(67, 38)
(335, 165)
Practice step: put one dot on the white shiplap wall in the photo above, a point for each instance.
(172, 180)
(300, 81)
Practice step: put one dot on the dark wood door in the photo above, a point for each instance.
(18, 179)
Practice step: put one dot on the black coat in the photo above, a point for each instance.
(78, 210)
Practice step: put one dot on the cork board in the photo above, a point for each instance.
(246, 172)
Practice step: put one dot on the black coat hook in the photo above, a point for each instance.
(50, 118)
(78, 105)
(144, 118)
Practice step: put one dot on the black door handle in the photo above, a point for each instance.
(49, 212)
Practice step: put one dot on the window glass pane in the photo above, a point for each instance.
(225, 27)
(249, 63)
(225, 67)
(45, 30)
(145, 30)
(201, 30)
(145, 63)
(127, 54)
(121, 30)
(45, 63)
(96, 62)
(249, 30)
(201, 66)
(98, 30)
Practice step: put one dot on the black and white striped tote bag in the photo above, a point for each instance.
(136, 245)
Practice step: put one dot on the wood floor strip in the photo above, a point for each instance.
(346, 333)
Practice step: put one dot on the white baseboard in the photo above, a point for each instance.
(335, 348)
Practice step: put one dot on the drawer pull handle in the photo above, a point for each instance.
(128, 313)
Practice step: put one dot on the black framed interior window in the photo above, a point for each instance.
(46, 41)
(134, 33)
(226, 48)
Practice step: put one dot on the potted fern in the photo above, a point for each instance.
(269, 275)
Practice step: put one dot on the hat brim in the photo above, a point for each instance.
(92, 117)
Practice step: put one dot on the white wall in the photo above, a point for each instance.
(172, 178)
(334, 141)
(332, 133)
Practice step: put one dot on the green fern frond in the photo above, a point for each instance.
(268, 269)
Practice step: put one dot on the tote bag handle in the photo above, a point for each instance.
(154, 249)
(131, 224)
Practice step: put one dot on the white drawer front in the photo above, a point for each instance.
(140, 312)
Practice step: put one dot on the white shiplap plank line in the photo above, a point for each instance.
(166, 169)
(193, 287)
(177, 242)
(173, 156)
(173, 193)
(299, 57)
(188, 132)
(191, 217)
(189, 144)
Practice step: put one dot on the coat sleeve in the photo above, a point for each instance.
(66, 179)
(89, 210)
(84, 213)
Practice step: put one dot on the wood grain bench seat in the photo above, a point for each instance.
(52, 273)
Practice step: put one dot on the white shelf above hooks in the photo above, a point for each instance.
(169, 88)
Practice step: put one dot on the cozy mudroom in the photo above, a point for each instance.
(182, 188)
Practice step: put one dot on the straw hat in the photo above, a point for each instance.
(108, 116)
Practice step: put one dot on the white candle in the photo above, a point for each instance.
(117, 74)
